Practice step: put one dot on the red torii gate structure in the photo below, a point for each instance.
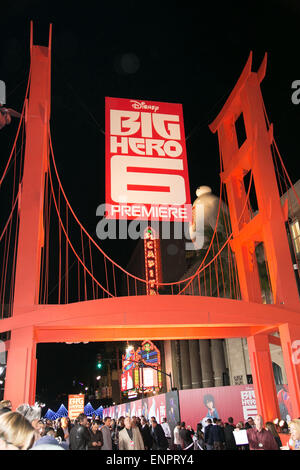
(165, 317)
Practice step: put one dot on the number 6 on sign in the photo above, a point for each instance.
(147, 180)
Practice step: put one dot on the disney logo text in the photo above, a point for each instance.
(143, 105)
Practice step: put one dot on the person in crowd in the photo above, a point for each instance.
(208, 438)
(138, 422)
(272, 428)
(79, 434)
(133, 421)
(4, 410)
(249, 423)
(185, 436)
(41, 427)
(177, 439)
(294, 426)
(106, 433)
(16, 432)
(217, 434)
(120, 424)
(33, 415)
(96, 441)
(6, 404)
(146, 434)
(209, 402)
(130, 437)
(159, 440)
(167, 431)
(63, 430)
(230, 443)
(230, 422)
(260, 438)
(49, 442)
(114, 434)
(199, 443)
(283, 426)
(50, 431)
(241, 427)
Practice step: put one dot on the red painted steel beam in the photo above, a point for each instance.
(162, 310)
(54, 334)
(274, 340)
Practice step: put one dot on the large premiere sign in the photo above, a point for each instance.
(146, 163)
(75, 406)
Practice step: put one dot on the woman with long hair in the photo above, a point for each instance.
(272, 428)
(16, 432)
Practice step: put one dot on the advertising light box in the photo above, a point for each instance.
(127, 380)
(146, 162)
(75, 405)
(148, 377)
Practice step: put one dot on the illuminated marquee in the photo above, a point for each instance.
(140, 369)
(149, 355)
(146, 163)
(128, 370)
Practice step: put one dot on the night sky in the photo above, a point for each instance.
(171, 52)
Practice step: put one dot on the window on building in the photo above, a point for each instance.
(226, 379)
(295, 230)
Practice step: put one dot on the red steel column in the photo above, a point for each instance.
(31, 232)
(290, 343)
(263, 377)
(21, 368)
(21, 363)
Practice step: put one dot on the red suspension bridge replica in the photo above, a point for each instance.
(101, 312)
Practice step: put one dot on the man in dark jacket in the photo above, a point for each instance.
(217, 433)
(160, 442)
(146, 434)
(96, 441)
(229, 436)
(185, 436)
(79, 434)
(208, 438)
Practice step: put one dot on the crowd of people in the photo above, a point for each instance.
(24, 429)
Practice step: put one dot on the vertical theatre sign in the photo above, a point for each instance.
(152, 261)
(146, 163)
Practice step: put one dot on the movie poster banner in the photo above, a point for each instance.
(172, 409)
(157, 407)
(146, 163)
(136, 408)
(236, 401)
(196, 405)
